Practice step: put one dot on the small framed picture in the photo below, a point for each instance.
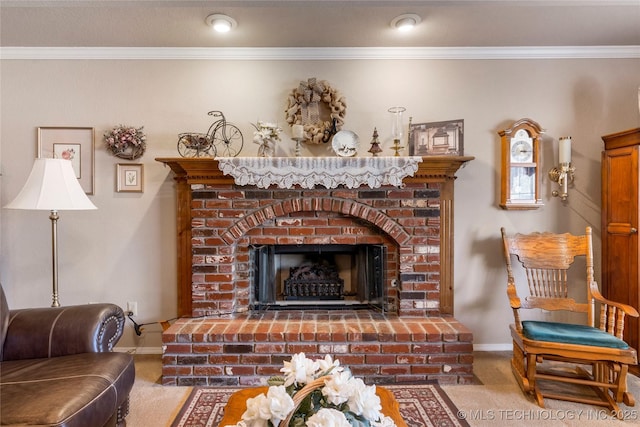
(437, 138)
(71, 143)
(129, 177)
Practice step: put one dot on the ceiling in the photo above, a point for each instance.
(312, 23)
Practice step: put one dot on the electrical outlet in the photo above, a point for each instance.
(132, 307)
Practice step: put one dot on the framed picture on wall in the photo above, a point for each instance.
(437, 138)
(129, 177)
(71, 143)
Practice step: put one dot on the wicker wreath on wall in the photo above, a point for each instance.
(310, 104)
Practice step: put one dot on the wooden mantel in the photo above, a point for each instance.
(188, 171)
(206, 171)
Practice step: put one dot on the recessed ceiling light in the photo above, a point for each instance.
(405, 22)
(221, 23)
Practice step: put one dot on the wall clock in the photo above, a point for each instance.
(520, 166)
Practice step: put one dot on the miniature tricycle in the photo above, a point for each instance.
(223, 138)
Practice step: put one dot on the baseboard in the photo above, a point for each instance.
(139, 350)
(493, 347)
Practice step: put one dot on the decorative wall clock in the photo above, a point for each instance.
(520, 166)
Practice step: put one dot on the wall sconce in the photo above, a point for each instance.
(564, 173)
(221, 23)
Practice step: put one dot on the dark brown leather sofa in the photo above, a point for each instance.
(57, 367)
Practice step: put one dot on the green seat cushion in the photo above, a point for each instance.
(570, 334)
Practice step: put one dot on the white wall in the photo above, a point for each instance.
(125, 251)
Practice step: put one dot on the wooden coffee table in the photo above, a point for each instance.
(237, 405)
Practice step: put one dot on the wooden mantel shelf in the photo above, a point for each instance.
(206, 171)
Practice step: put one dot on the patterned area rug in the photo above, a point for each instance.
(422, 405)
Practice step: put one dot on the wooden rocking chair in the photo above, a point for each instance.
(543, 350)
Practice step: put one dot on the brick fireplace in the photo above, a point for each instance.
(221, 339)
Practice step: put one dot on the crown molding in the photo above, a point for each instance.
(318, 53)
(48, 3)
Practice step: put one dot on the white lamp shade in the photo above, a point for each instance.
(52, 186)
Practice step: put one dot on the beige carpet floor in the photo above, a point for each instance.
(497, 401)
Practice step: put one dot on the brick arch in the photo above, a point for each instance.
(325, 204)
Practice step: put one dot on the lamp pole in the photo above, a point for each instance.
(54, 255)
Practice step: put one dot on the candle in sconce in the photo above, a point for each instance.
(564, 149)
(298, 131)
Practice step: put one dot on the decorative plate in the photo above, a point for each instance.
(345, 143)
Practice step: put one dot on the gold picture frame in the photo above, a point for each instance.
(129, 177)
(72, 143)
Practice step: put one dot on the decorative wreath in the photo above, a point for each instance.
(126, 142)
(304, 109)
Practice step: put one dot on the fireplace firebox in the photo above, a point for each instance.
(319, 276)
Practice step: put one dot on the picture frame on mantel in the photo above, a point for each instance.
(129, 178)
(444, 138)
(72, 143)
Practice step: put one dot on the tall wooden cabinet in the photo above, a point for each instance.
(620, 212)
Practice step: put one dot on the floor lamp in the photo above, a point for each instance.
(52, 186)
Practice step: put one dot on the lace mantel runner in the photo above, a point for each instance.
(330, 172)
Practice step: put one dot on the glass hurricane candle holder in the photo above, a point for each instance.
(397, 128)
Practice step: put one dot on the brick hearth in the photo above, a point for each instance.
(380, 349)
(220, 341)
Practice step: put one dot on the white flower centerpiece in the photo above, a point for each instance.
(315, 393)
(126, 142)
(266, 135)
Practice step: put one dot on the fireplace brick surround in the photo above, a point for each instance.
(416, 339)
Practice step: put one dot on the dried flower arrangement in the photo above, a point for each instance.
(126, 142)
(266, 135)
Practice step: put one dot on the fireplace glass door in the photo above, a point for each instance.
(319, 276)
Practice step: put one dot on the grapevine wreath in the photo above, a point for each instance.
(305, 105)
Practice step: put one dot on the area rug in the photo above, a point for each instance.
(421, 405)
